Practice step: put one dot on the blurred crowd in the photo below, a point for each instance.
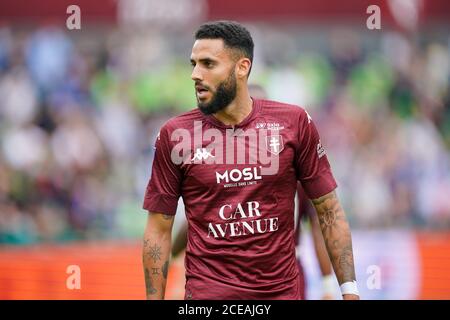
(79, 113)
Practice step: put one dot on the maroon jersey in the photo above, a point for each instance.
(241, 218)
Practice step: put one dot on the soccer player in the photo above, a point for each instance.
(240, 213)
(305, 211)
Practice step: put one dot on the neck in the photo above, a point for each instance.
(237, 110)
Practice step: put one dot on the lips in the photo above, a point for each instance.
(201, 91)
(200, 88)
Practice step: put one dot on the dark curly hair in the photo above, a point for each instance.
(234, 35)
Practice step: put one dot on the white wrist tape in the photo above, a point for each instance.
(350, 288)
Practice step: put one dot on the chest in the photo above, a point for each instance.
(240, 160)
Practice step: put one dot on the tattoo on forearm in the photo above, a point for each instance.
(328, 212)
(346, 263)
(328, 218)
(336, 234)
(148, 283)
(165, 269)
(155, 252)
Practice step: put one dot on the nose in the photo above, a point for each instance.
(196, 74)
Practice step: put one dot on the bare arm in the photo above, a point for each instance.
(322, 257)
(337, 237)
(319, 247)
(156, 253)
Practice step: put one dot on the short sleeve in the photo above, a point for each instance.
(163, 189)
(312, 166)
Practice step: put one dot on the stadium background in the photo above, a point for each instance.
(80, 109)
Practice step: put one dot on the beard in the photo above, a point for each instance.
(224, 95)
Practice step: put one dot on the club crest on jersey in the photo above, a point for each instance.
(274, 144)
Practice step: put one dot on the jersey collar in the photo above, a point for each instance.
(256, 105)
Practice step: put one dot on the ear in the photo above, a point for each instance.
(243, 67)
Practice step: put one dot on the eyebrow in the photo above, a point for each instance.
(203, 60)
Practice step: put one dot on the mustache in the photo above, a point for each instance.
(202, 85)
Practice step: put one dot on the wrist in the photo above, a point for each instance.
(349, 287)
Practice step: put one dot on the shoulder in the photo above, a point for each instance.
(284, 111)
(183, 121)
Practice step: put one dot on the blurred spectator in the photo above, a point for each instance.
(78, 118)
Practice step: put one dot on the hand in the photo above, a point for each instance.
(350, 297)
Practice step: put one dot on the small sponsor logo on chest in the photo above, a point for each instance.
(269, 125)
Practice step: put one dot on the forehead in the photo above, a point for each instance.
(209, 48)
